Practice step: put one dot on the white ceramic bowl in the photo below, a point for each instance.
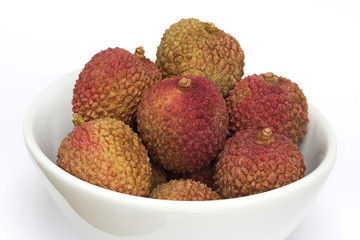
(107, 215)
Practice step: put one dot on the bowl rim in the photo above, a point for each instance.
(39, 157)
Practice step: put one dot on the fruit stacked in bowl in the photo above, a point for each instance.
(125, 131)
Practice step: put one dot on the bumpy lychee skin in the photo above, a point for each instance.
(257, 161)
(107, 153)
(268, 100)
(112, 84)
(184, 190)
(192, 47)
(183, 122)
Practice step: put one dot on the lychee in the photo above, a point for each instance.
(107, 153)
(268, 100)
(112, 84)
(257, 161)
(184, 190)
(183, 122)
(193, 47)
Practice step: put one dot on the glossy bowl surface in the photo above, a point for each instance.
(107, 215)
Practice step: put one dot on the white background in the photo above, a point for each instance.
(314, 43)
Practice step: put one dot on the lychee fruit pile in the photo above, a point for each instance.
(187, 126)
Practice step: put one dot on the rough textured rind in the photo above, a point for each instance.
(192, 47)
(248, 165)
(183, 130)
(267, 100)
(112, 84)
(184, 190)
(107, 153)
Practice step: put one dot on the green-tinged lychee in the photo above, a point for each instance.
(107, 153)
(183, 122)
(112, 84)
(193, 47)
(184, 190)
(257, 161)
(268, 100)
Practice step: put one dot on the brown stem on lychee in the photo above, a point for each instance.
(269, 77)
(184, 84)
(140, 53)
(264, 136)
(210, 27)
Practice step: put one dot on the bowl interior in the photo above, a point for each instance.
(50, 116)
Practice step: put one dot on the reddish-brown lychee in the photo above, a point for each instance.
(267, 100)
(257, 161)
(112, 84)
(183, 122)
